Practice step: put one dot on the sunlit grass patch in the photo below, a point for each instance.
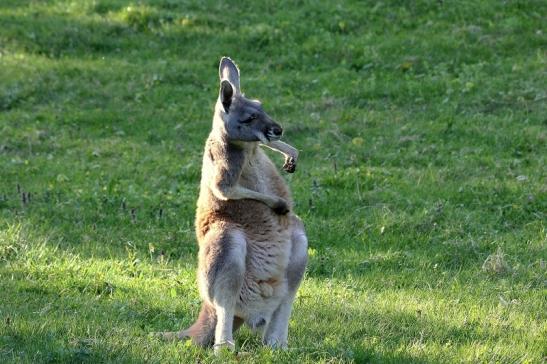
(421, 175)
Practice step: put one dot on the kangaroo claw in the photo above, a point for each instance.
(225, 345)
(290, 165)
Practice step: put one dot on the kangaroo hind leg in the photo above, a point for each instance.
(222, 267)
(276, 334)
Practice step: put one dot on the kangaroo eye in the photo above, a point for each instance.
(250, 118)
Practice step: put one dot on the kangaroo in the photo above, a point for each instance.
(252, 247)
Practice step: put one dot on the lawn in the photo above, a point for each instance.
(422, 127)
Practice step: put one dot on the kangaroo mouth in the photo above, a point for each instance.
(272, 137)
(267, 136)
(273, 134)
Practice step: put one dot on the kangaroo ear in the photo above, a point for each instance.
(226, 94)
(228, 71)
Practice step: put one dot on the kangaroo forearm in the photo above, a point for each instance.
(283, 148)
(239, 193)
(289, 152)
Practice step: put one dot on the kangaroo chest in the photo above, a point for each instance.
(259, 174)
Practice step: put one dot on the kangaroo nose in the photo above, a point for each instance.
(277, 131)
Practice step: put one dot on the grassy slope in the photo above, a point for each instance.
(421, 181)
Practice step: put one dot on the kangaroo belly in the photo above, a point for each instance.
(265, 281)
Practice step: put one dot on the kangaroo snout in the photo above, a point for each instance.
(273, 132)
(277, 131)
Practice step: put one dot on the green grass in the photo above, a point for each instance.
(422, 178)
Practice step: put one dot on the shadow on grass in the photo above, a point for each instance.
(69, 326)
(50, 346)
(115, 31)
(58, 35)
(47, 321)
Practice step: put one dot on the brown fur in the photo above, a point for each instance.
(253, 248)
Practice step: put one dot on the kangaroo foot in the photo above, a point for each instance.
(224, 346)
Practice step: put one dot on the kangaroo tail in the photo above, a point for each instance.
(202, 332)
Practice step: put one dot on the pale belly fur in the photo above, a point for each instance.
(265, 282)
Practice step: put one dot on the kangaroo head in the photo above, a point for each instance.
(243, 119)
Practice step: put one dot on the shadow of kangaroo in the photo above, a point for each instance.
(252, 247)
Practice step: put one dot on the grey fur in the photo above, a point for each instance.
(253, 248)
(244, 119)
(228, 70)
(222, 258)
(299, 257)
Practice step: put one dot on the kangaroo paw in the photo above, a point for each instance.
(290, 165)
